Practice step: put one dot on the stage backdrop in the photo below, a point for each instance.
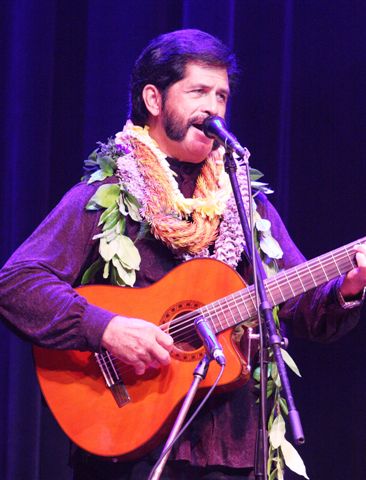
(300, 109)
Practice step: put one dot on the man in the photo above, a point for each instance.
(175, 172)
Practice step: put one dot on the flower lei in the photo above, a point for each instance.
(148, 193)
(183, 224)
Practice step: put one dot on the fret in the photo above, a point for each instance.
(311, 274)
(250, 290)
(278, 287)
(211, 315)
(302, 271)
(285, 285)
(246, 291)
(299, 277)
(231, 304)
(219, 312)
(219, 316)
(205, 310)
(237, 306)
(325, 273)
(289, 283)
(336, 264)
(269, 292)
(351, 260)
(330, 265)
(316, 273)
(215, 321)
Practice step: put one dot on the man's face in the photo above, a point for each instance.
(203, 91)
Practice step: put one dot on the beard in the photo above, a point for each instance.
(176, 128)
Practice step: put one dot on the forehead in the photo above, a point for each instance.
(202, 74)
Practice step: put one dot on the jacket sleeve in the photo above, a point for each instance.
(316, 314)
(37, 298)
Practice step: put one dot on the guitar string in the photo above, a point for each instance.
(169, 326)
(287, 276)
(282, 279)
(192, 315)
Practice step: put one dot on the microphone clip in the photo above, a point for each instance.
(213, 348)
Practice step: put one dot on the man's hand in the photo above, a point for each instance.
(137, 343)
(355, 280)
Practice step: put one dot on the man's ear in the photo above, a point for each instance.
(152, 99)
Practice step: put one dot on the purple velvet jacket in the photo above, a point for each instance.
(38, 300)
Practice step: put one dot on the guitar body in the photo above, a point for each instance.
(74, 387)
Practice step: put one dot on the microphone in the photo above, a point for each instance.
(212, 345)
(215, 127)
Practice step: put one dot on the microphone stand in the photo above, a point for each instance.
(271, 336)
(199, 374)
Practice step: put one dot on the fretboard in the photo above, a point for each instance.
(241, 306)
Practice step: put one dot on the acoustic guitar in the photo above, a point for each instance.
(106, 409)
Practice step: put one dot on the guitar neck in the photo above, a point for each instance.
(241, 306)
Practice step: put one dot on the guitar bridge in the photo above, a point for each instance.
(112, 378)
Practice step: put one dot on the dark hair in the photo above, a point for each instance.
(163, 62)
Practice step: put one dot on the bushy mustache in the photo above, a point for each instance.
(177, 131)
(197, 120)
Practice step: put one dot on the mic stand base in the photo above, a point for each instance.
(260, 456)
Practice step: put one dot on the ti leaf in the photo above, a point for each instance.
(257, 374)
(270, 388)
(273, 475)
(255, 174)
(133, 210)
(292, 459)
(277, 433)
(105, 196)
(124, 276)
(97, 176)
(289, 362)
(106, 270)
(283, 405)
(107, 165)
(90, 273)
(105, 215)
(120, 227)
(275, 375)
(127, 252)
(112, 220)
(93, 155)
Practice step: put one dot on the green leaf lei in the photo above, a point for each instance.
(280, 451)
(117, 251)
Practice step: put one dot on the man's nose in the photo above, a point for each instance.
(211, 106)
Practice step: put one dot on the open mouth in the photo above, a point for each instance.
(198, 121)
(199, 126)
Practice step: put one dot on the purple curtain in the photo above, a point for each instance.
(300, 109)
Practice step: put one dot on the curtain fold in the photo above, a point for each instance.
(300, 109)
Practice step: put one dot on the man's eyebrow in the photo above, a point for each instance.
(223, 90)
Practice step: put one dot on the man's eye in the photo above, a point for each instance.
(222, 97)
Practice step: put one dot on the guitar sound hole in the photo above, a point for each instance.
(187, 344)
(184, 334)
